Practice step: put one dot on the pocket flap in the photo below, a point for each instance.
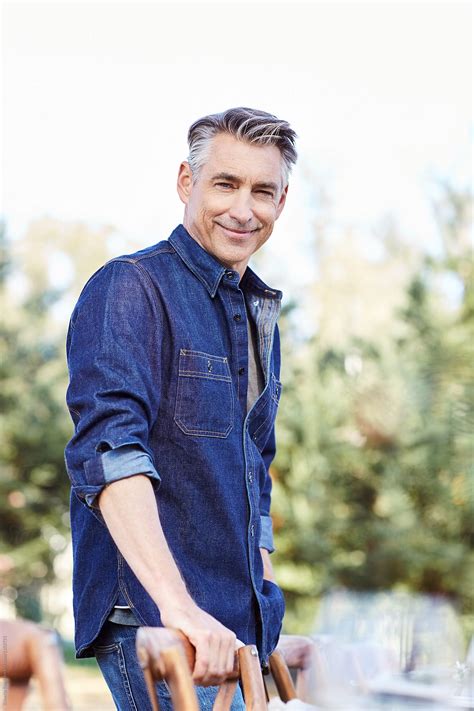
(203, 365)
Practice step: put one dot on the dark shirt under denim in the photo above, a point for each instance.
(158, 359)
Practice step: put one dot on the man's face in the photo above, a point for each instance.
(233, 203)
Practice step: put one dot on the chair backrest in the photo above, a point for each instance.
(167, 655)
(32, 650)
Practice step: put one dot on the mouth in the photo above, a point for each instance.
(238, 234)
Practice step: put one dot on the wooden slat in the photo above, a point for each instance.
(225, 695)
(252, 680)
(282, 677)
(167, 654)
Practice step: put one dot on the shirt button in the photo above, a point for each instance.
(229, 275)
(250, 477)
(252, 530)
(237, 317)
(241, 371)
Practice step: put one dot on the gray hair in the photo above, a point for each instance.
(245, 124)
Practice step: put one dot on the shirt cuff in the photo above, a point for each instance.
(113, 465)
(266, 533)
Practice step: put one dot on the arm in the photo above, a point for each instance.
(268, 454)
(267, 565)
(130, 512)
(266, 535)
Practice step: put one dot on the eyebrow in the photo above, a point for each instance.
(228, 177)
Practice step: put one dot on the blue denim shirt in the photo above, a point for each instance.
(158, 355)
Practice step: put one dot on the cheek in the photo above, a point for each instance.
(266, 214)
(218, 205)
(203, 214)
(212, 208)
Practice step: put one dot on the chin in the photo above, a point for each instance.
(231, 261)
(228, 260)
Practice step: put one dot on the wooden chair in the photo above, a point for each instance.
(31, 650)
(166, 654)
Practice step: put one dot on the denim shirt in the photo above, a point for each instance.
(158, 355)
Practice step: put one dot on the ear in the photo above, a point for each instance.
(281, 202)
(185, 182)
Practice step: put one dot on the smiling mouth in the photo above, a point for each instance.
(237, 233)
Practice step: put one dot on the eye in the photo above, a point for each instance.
(267, 193)
(224, 185)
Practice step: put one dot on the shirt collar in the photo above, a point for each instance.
(201, 263)
(208, 270)
(250, 281)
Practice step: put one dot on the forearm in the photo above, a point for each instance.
(129, 500)
(267, 565)
(131, 515)
(129, 509)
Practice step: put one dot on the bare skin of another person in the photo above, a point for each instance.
(30, 650)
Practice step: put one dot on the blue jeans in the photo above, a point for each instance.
(115, 652)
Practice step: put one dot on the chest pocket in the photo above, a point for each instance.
(204, 398)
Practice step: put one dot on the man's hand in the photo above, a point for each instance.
(215, 645)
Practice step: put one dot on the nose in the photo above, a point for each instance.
(240, 209)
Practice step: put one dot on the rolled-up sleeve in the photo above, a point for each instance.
(266, 533)
(114, 355)
(111, 466)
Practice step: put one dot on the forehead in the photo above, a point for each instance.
(248, 161)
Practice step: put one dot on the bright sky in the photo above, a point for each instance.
(98, 98)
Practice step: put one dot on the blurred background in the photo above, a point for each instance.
(373, 253)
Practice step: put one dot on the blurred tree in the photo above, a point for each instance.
(40, 278)
(375, 431)
(33, 489)
(371, 476)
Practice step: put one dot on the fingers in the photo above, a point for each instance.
(216, 668)
(214, 656)
(233, 653)
(201, 643)
(214, 644)
(230, 657)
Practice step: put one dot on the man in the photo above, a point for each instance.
(174, 363)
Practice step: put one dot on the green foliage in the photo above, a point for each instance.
(375, 448)
(371, 479)
(33, 486)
